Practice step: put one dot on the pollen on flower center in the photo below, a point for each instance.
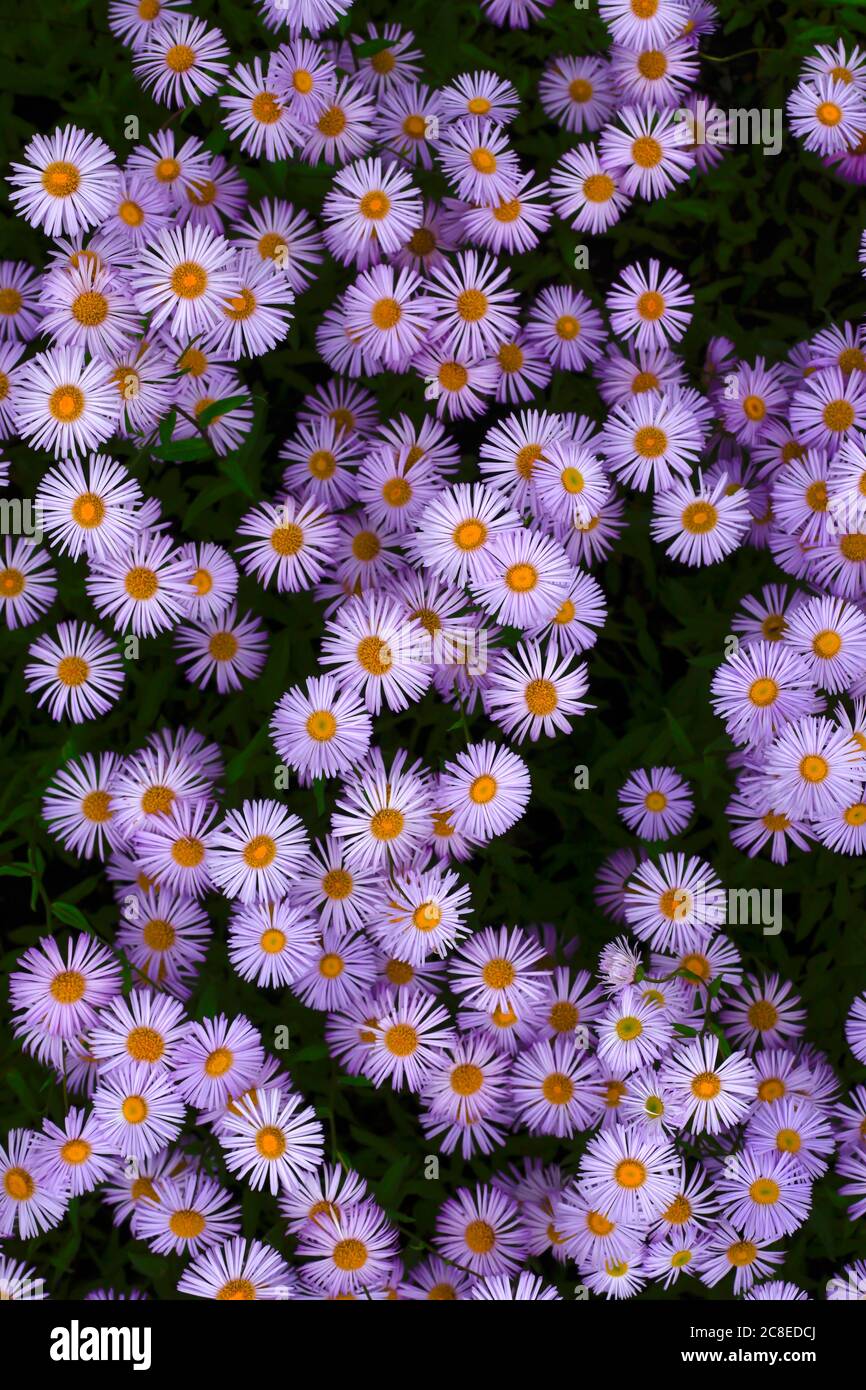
(321, 725)
(66, 403)
(510, 357)
(498, 973)
(814, 768)
(90, 309)
(470, 534)
(763, 692)
(375, 205)
(130, 213)
(188, 852)
(12, 583)
(521, 578)
(88, 510)
(186, 1223)
(266, 108)
(652, 64)
(180, 57)
(567, 327)
(374, 655)
(72, 671)
(646, 152)
(145, 1044)
(453, 376)
(826, 644)
(651, 305)
(271, 1142)
(557, 1088)
(366, 545)
(68, 986)
(272, 941)
(483, 789)
(287, 540)
(76, 1151)
(630, 1173)
(580, 90)
(655, 801)
(483, 160)
(331, 965)
(134, 1110)
(829, 113)
(426, 917)
(853, 547)
(466, 1079)
(260, 852)
(764, 1191)
(237, 1291)
(218, 1062)
(397, 492)
(541, 698)
(699, 518)
(401, 1040)
(61, 179)
(838, 415)
(627, 1029)
(158, 935)
(480, 1237)
(141, 583)
(472, 305)
(96, 807)
(189, 280)
(349, 1255)
(18, 1184)
(763, 1015)
(241, 306)
(650, 442)
(386, 313)
(337, 884)
(157, 800)
(387, 823)
(706, 1085)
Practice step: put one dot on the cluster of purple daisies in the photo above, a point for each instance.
(161, 280)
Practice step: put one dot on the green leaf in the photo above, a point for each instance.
(217, 408)
(69, 915)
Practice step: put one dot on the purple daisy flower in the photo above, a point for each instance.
(279, 232)
(90, 509)
(334, 894)
(855, 1028)
(319, 730)
(384, 813)
(715, 1095)
(764, 1195)
(651, 440)
(656, 804)
(794, 1127)
(815, 766)
(827, 113)
(63, 405)
(77, 806)
(498, 970)
(765, 1012)
(830, 637)
(376, 650)
(65, 184)
(349, 1251)
(79, 672)
(481, 1231)
(523, 577)
(648, 153)
(30, 1201)
(145, 589)
(650, 305)
(27, 582)
(256, 851)
(407, 1037)
(224, 646)
(484, 791)
(629, 1177)
(703, 522)
(73, 1155)
(530, 694)
(554, 1088)
(759, 688)
(270, 1139)
(666, 903)
(585, 192)
(564, 325)
(465, 1097)
(193, 1213)
(727, 1248)
(138, 1110)
(181, 61)
(478, 162)
(273, 944)
(238, 1271)
(140, 1027)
